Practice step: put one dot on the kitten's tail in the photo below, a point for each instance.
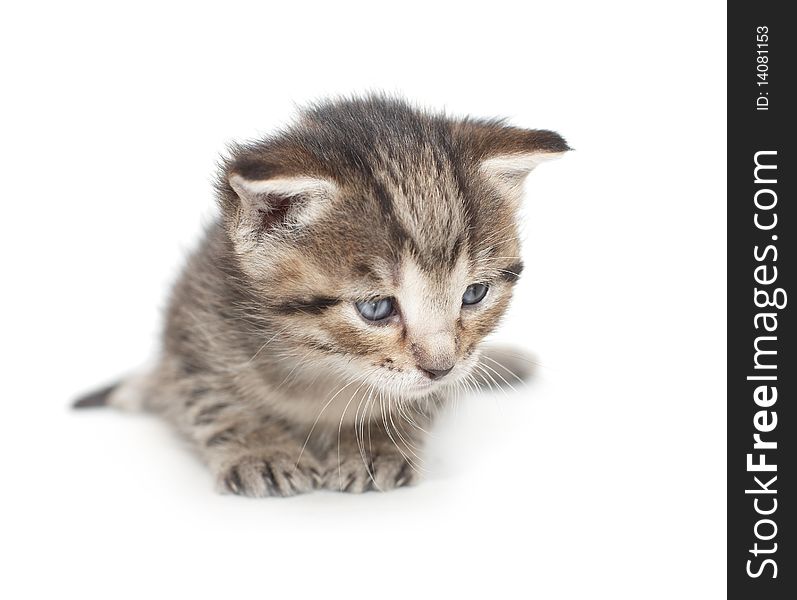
(96, 398)
(127, 394)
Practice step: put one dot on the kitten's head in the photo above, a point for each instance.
(382, 240)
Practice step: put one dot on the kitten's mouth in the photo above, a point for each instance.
(420, 390)
(426, 386)
(418, 384)
(415, 390)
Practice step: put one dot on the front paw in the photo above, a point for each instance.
(269, 473)
(357, 473)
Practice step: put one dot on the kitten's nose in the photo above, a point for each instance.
(435, 374)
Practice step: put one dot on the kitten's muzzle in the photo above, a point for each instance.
(435, 355)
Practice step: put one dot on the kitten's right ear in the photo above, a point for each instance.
(279, 202)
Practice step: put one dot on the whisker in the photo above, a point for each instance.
(410, 462)
(504, 367)
(340, 427)
(497, 374)
(312, 428)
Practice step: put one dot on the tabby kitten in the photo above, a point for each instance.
(361, 256)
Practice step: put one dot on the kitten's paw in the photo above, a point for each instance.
(379, 473)
(270, 474)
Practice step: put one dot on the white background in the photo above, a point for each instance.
(604, 478)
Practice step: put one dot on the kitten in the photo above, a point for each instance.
(361, 256)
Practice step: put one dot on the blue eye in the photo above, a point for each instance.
(474, 293)
(376, 310)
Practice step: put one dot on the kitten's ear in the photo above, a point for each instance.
(280, 201)
(514, 167)
(507, 154)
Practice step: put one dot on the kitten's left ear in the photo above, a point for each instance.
(515, 166)
(507, 154)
